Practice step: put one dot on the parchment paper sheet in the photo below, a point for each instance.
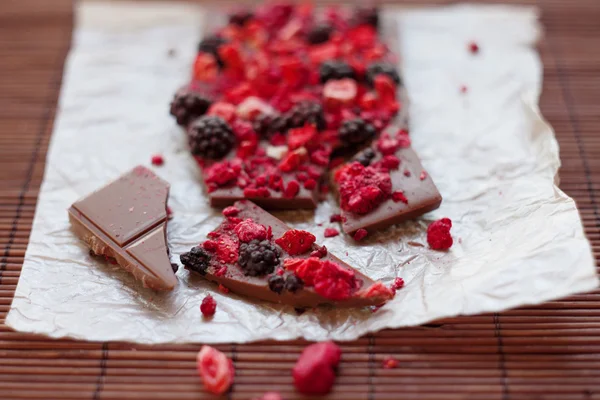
(518, 238)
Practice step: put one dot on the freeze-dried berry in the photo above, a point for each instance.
(382, 68)
(390, 363)
(240, 17)
(356, 131)
(365, 157)
(335, 70)
(314, 372)
(340, 93)
(215, 369)
(296, 241)
(249, 230)
(188, 105)
(366, 15)
(267, 125)
(157, 160)
(306, 112)
(210, 137)
(360, 234)
(276, 283)
(319, 34)
(293, 283)
(211, 46)
(196, 260)
(208, 306)
(330, 232)
(258, 258)
(473, 47)
(438, 234)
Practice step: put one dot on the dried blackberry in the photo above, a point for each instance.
(365, 157)
(382, 68)
(366, 15)
(188, 105)
(240, 17)
(319, 34)
(267, 125)
(211, 45)
(196, 260)
(258, 258)
(276, 283)
(356, 131)
(210, 137)
(306, 112)
(335, 70)
(293, 283)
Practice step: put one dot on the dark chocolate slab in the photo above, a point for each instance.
(127, 220)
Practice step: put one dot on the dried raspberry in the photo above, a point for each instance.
(389, 143)
(330, 232)
(257, 192)
(208, 306)
(340, 92)
(249, 230)
(314, 372)
(205, 68)
(398, 284)
(296, 241)
(320, 252)
(407, 173)
(473, 47)
(384, 87)
(293, 159)
(225, 247)
(362, 188)
(223, 289)
(302, 137)
(223, 109)
(231, 211)
(320, 157)
(360, 234)
(231, 56)
(390, 162)
(157, 160)
(335, 218)
(378, 290)
(215, 369)
(399, 196)
(239, 93)
(246, 149)
(222, 173)
(390, 363)
(368, 101)
(221, 271)
(323, 52)
(438, 234)
(310, 184)
(291, 190)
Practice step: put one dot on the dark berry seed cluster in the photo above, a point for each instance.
(356, 131)
(268, 125)
(319, 34)
(258, 258)
(365, 157)
(382, 68)
(188, 105)
(211, 137)
(291, 283)
(211, 45)
(306, 112)
(196, 260)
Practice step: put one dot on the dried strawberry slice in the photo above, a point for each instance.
(296, 241)
(215, 369)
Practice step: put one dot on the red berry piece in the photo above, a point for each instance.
(205, 68)
(314, 372)
(301, 137)
(335, 218)
(215, 369)
(310, 184)
(249, 230)
(398, 284)
(223, 289)
(230, 211)
(224, 110)
(423, 175)
(399, 196)
(438, 234)
(473, 47)
(157, 160)
(360, 234)
(296, 241)
(320, 252)
(390, 363)
(169, 212)
(340, 92)
(330, 232)
(208, 306)
(291, 190)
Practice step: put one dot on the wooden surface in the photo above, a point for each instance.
(550, 352)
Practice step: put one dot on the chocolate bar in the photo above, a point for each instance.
(126, 220)
(254, 254)
(384, 185)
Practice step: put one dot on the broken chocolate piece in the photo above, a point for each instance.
(410, 196)
(127, 220)
(299, 280)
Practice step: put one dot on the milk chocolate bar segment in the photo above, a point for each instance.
(126, 220)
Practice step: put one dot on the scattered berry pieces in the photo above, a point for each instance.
(399, 196)
(330, 232)
(360, 234)
(208, 306)
(390, 363)
(215, 369)
(473, 47)
(314, 372)
(296, 241)
(157, 160)
(438, 234)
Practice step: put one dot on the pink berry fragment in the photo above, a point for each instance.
(473, 47)
(360, 234)
(438, 234)
(335, 218)
(157, 160)
(390, 363)
(314, 372)
(331, 232)
(215, 369)
(208, 306)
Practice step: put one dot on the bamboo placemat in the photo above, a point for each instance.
(546, 352)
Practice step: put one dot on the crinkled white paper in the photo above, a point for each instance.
(518, 238)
